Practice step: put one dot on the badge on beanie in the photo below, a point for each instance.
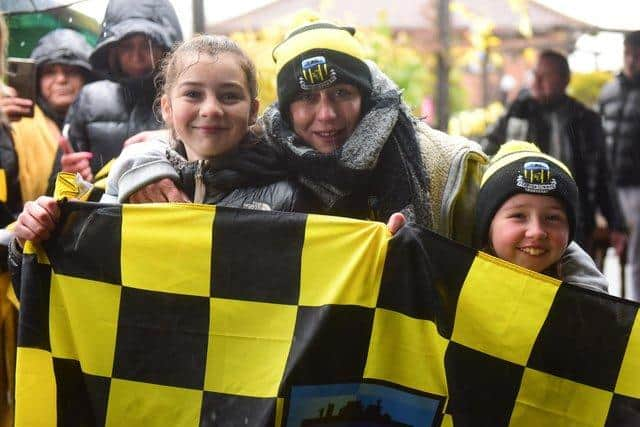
(316, 74)
(536, 178)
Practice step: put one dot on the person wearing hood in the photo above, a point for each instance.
(62, 66)
(134, 38)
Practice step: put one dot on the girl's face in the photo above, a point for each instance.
(530, 230)
(137, 55)
(209, 107)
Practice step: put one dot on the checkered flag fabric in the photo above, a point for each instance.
(191, 315)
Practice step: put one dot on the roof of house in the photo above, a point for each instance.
(408, 15)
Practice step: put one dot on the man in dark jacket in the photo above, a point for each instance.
(620, 109)
(135, 36)
(566, 129)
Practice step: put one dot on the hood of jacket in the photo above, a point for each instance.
(156, 19)
(63, 46)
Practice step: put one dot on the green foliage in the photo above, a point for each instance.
(586, 87)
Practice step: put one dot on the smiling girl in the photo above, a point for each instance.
(208, 101)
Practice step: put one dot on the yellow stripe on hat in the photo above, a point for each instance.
(501, 161)
(335, 39)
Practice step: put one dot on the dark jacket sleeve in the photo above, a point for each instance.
(77, 121)
(303, 200)
(495, 136)
(55, 169)
(606, 193)
(9, 163)
(15, 265)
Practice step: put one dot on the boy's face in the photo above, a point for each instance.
(137, 56)
(530, 230)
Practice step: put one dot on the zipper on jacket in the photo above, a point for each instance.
(199, 192)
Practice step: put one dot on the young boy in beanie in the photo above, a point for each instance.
(527, 208)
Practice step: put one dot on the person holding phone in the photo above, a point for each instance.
(61, 59)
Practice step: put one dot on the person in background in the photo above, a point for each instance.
(569, 131)
(134, 38)
(620, 109)
(62, 64)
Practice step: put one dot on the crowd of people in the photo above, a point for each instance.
(338, 141)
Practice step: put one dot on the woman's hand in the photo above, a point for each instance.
(37, 220)
(396, 222)
(162, 191)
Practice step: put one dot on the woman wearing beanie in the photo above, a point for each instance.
(527, 211)
(348, 135)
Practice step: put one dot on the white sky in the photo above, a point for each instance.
(603, 51)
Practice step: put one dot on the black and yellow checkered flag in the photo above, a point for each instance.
(190, 315)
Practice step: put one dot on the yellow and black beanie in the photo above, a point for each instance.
(520, 167)
(316, 56)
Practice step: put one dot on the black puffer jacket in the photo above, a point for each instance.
(108, 112)
(583, 150)
(620, 109)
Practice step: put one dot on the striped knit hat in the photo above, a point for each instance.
(520, 167)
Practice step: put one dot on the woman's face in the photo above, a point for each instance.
(137, 55)
(60, 85)
(326, 118)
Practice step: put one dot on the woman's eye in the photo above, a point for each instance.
(228, 97)
(344, 92)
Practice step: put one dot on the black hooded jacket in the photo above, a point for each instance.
(107, 112)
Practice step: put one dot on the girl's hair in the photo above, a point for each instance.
(188, 53)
